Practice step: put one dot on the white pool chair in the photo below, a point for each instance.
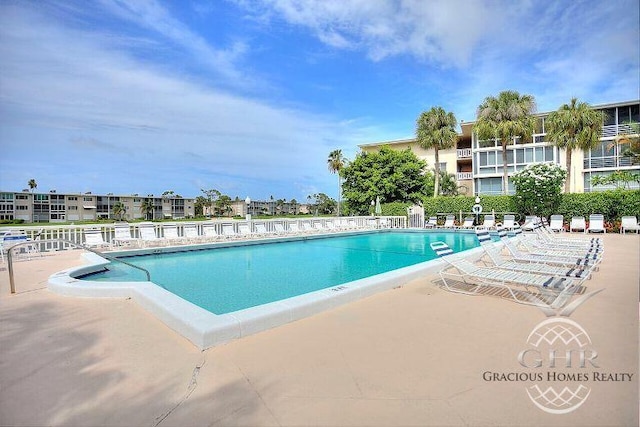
(294, 228)
(123, 236)
(93, 238)
(468, 222)
(14, 237)
(509, 222)
(229, 232)
(499, 261)
(190, 233)
(432, 223)
(596, 224)
(530, 222)
(449, 222)
(210, 232)
(549, 256)
(279, 229)
(307, 227)
(488, 222)
(532, 244)
(522, 287)
(170, 234)
(629, 223)
(319, 226)
(547, 239)
(261, 230)
(557, 223)
(147, 231)
(578, 223)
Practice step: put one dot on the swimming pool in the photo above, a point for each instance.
(214, 293)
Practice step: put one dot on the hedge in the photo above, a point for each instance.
(612, 204)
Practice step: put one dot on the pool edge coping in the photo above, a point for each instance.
(205, 329)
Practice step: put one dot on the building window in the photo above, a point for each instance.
(87, 199)
(74, 198)
(22, 197)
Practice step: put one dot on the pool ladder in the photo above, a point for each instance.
(68, 242)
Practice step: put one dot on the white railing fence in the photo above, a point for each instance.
(75, 233)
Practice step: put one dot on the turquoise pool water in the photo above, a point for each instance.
(223, 280)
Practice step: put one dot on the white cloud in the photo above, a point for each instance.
(118, 117)
(443, 31)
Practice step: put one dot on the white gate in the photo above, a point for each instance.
(416, 216)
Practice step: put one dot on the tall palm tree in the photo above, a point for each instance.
(574, 126)
(336, 162)
(505, 117)
(32, 184)
(147, 208)
(436, 129)
(119, 209)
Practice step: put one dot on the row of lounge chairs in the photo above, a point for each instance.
(538, 268)
(489, 221)
(150, 234)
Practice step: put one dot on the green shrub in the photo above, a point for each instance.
(395, 209)
(612, 204)
(453, 205)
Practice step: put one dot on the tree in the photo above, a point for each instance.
(631, 138)
(574, 126)
(539, 188)
(32, 184)
(505, 117)
(336, 162)
(394, 176)
(118, 209)
(210, 196)
(324, 204)
(223, 205)
(436, 129)
(147, 208)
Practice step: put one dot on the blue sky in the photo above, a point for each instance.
(250, 96)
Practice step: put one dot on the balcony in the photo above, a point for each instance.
(464, 153)
(461, 176)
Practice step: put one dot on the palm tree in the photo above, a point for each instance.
(505, 117)
(146, 208)
(336, 162)
(119, 209)
(32, 184)
(574, 126)
(436, 129)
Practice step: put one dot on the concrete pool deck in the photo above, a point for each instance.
(409, 356)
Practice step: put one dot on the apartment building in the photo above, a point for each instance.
(477, 164)
(55, 207)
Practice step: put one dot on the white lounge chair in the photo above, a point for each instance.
(629, 223)
(261, 229)
(14, 237)
(244, 230)
(432, 223)
(307, 227)
(557, 223)
(583, 257)
(279, 229)
(549, 240)
(468, 222)
(596, 224)
(170, 234)
(449, 222)
(123, 236)
(210, 232)
(93, 238)
(488, 222)
(517, 284)
(530, 222)
(578, 223)
(190, 233)
(499, 261)
(509, 221)
(228, 231)
(148, 235)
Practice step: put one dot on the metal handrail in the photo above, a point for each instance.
(69, 242)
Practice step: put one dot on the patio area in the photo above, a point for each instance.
(412, 356)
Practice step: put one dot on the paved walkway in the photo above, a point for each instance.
(412, 356)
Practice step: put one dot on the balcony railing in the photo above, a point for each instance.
(607, 162)
(464, 153)
(461, 176)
